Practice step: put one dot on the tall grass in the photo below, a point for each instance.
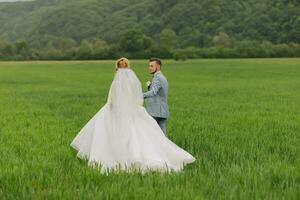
(239, 118)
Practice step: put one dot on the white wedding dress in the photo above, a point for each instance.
(123, 136)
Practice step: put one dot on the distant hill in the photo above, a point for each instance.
(195, 22)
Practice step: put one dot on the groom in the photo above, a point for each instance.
(156, 97)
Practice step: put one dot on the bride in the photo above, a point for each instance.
(123, 136)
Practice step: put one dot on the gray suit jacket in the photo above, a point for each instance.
(157, 97)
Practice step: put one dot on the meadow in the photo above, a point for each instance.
(240, 118)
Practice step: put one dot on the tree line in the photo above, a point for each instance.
(135, 44)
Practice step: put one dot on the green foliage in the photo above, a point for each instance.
(140, 46)
(135, 41)
(222, 40)
(141, 28)
(168, 39)
(85, 50)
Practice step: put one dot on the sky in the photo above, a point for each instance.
(11, 0)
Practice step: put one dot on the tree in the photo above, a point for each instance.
(100, 47)
(222, 40)
(134, 41)
(8, 50)
(85, 50)
(168, 39)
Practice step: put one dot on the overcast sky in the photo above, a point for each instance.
(12, 0)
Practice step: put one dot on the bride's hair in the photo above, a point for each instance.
(122, 63)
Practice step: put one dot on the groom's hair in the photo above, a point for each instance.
(157, 60)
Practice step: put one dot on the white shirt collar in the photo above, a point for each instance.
(158, 72)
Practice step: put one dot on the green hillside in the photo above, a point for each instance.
(170, 23)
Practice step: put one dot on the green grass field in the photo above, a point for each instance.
(239, 118)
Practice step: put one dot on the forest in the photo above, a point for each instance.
(178, 29)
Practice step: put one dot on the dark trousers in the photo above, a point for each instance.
(162, 122)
